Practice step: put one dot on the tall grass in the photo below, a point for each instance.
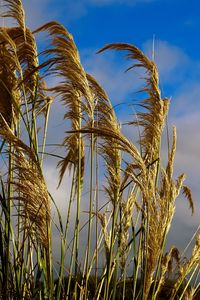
(125, 231)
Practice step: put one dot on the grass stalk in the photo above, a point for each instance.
(111, 254)
(64, 240)
(90, 213)
(8, 225)
(45, 132)
(97, 207)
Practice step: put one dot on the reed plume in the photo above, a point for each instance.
(152, 120)
(29, 187)
(105, 119)
(107, 237)
(126, 222)
(31, 191)
(28, 58)
(9, 92)
(188, 194)
(158, 202)
(22, 36)
(160, 206)
(24, 57)
(14, 10)
(187, 267)
(167, 266)
(74, 90)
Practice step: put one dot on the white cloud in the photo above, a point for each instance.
(187, 157)
(186, 99)
(39, 12)
(61, 194)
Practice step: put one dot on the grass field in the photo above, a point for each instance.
(131, 196)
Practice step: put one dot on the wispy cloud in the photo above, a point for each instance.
(171, 60)
(186, 98)
(38, 12)
(79, 8)
(116, 2)
(109, 70)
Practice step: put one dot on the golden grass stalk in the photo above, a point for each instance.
(71, 142)
(7, 133)
(76, 95)
(188, 194)
(27, 56)
(14, 10)
(166, 267)
(160, 205)
(18, 54)
(104, 223)
(25, 44)
(65, 62)
(43, 101)
(109, 149)
(151, 121)
(127, 210)
(187, 267)
(122, 143)
(74, 90)
(29, 187)
(158, 202)
(189, 294)
(9, 92)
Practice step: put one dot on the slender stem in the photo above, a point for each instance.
(110, 259)
(64, 239)
(48, 256)
(70, 268)
(78, 201)
(8, 224)
(97, 207)
(45, 132)
(90, 212)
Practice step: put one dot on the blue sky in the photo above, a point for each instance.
(96, 22)
(175, 24)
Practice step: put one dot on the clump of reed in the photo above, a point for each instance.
(124, 254)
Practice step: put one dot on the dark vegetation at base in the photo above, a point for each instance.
(93, 287)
